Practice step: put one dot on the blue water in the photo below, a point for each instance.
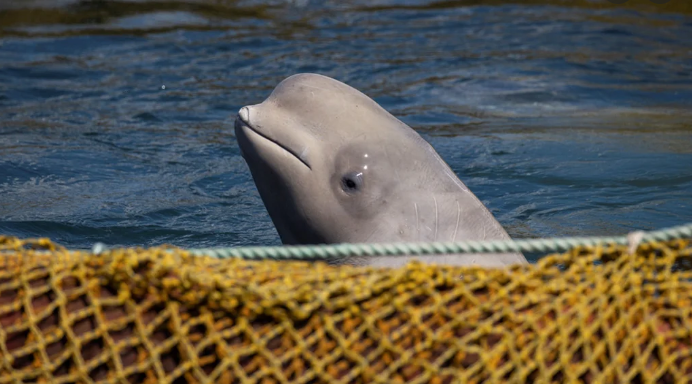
(116, 119)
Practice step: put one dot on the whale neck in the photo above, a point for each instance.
(448, 216)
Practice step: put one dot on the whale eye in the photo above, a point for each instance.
(352, 182)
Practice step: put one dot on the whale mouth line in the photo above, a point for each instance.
(241, 123)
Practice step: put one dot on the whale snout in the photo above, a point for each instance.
(244, 115)
(242, 118)
(253, 130)
(242, 122)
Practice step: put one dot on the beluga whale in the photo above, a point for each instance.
(332, 166)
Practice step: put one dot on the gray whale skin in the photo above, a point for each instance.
(332, 166)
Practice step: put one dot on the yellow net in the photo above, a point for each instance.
(594, 314)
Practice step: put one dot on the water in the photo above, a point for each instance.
(116, 119)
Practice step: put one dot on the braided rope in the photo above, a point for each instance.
(323, 252)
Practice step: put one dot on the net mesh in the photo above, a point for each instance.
(594, 314)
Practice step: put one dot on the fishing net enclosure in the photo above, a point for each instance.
(593, 314)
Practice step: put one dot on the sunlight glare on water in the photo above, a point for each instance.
(116, 118)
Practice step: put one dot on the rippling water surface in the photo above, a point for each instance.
(116, 118)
